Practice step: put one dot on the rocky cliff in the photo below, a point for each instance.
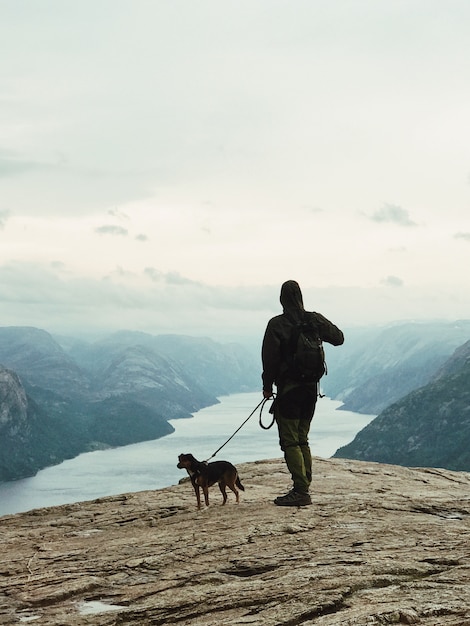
(428, 427)
(29, 438)
(381, 544)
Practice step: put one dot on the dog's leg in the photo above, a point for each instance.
(222, 486)
(198, 495)
(205, 489)
(235, 491)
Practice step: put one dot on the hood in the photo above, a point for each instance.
(291, 297)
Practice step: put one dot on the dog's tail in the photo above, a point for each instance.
(239, 484)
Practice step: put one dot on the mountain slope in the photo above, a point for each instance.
(39, 359)
(219, 369)
(428, 427)
(378, 366)
(30, 437)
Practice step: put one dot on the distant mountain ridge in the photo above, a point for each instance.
(78, 396)
(377, 366)
(428, 427)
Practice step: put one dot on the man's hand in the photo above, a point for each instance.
(267, 393)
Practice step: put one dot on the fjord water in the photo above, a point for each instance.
(152, 464)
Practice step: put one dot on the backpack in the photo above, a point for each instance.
(305, 357)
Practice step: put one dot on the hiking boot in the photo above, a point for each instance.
(294, 498)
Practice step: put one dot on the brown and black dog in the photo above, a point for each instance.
(203, 475)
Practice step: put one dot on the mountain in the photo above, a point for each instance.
(377, 366)
(30, 437)
(38, 358)
(428, 427)
(219, 369)
(78, 396)
(45, 430)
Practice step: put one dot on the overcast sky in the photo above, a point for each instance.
(166, 164)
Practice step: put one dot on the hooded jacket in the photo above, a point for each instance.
(276, 336)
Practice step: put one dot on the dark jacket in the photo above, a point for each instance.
(278, 331)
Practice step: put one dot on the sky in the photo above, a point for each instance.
(166, 165)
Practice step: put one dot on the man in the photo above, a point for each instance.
(295, 400)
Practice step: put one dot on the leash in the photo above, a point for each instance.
(271, 410)
(261, 404)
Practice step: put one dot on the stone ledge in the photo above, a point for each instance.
(381, 544)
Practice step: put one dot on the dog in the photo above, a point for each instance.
(203, 475)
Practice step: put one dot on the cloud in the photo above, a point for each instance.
(392, 281)
(169, 278)
(4, 215)
(393, 214)
(112, 230)
(464, 236)
(118, 214)
(154, 275)
(198, 131)
(154, 301)
(312, 209)
(218, 124)
(12, 164)
(175, 278)
(165, 302)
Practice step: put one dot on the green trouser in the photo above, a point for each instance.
(293, 433)
(293, 439)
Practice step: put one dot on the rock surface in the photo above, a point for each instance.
(381, 544)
